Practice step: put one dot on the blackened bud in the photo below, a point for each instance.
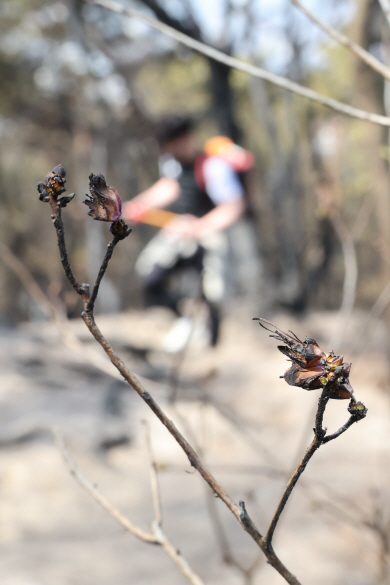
(357, 409)
(53, 185)
(119, 229)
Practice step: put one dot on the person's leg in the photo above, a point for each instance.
(214, 323)
(155, 289)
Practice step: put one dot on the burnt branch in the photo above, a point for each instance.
(82, 290)
(102, 271)
(358, 412)
(319, 434)
(312, 368)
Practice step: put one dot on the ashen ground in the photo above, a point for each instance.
(250, 426)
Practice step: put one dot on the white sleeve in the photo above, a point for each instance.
(221, 181)
(169, 167)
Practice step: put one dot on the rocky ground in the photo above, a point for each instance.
(249, 425)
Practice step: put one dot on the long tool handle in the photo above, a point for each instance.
(158, 217)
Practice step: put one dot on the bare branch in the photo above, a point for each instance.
(157, 537)
(114, 512)
(246, 67)
(385, 4)
(357, 410)
(193, 458)
(82, 290)
(319, 433)
(226, 550)
(364, 55)
(138, 387)
(153, 478)
(103, 268)
(341, 430)
(176, 556)
(28, 281)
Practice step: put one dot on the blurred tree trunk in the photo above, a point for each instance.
(220, 86)
(282, 205)
(367, 30)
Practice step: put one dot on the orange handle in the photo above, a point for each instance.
(158, 217)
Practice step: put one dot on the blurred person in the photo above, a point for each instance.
(203, 192)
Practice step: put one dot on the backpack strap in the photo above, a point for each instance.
(199, 170)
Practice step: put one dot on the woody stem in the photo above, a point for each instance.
(319, 434)
(107, 257)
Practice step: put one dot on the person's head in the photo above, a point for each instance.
(175, 136)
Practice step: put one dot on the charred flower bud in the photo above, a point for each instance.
(357, 409)
(54, 186)
(119, 229)
(104, 202)
(311, 367)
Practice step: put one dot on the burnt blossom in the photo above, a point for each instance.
(311, 367)
(53, 186)
(104, 202)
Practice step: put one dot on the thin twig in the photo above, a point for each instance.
(153, 478)
(95, 290)
(28, 281)
(316, 443)
(176, 556)
(87, 485)
(138, 387)
(341, 430)
(82, 290)
(364, 55)
(193, 458)
(226, 550)
(157, 537)
(319, 439)
(246, 67)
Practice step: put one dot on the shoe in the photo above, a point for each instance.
(178, 336)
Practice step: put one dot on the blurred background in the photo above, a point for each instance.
(83, 86)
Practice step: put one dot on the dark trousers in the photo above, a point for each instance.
(166, 287)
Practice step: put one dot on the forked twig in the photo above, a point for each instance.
(319, 434)
(48, 192)
(157, 536)
(102, 500)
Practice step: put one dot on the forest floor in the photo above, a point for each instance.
(250, 426)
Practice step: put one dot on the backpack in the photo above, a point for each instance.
(238, 158)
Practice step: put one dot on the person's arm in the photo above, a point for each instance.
(164, 192)
(226, 192)
(219, 218)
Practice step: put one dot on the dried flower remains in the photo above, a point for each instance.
(104, 202)
(311, 367)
